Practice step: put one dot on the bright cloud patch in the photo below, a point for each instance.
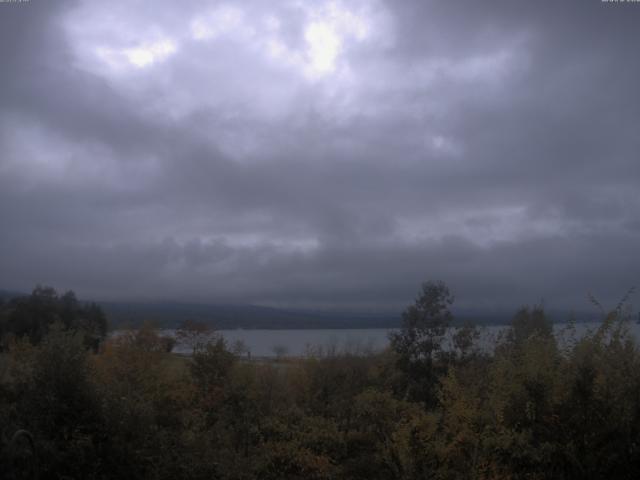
(323, 47)
(308, 40)
(326, 35)
(148, 54)
(326, 30)
(140, 56)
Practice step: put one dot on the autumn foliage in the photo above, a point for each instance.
(533, 407)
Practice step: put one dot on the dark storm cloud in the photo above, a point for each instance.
(214, 153)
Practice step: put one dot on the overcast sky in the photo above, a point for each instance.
(321, 153)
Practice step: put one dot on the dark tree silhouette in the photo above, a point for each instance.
(418, 344)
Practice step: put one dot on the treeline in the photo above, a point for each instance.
(30, 317)
(532, 408)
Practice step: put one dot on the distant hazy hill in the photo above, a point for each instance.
(170, 314)
(7, 294)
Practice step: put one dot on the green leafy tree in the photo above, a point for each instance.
(418, 344)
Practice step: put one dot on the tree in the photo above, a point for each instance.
(59, 405)
(418, 344)
(529, 322)
(193, 334)
(280, 351)
(211, 366)
(32, 316)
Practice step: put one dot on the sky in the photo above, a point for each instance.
(321, 154)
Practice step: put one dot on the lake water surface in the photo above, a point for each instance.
(271, 343)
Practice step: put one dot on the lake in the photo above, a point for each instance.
(271, 343)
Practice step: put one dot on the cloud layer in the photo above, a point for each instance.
(325, 154)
